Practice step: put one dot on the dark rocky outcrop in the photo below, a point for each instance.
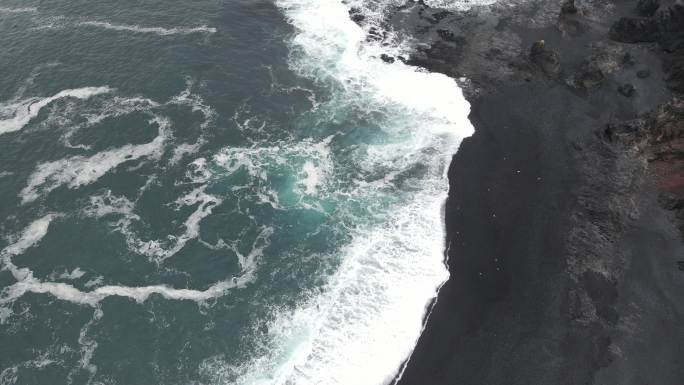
(545, 58)
(589, 75)
(569, 7)
(647, 7)
(627, 90)
(387, 58)
(635, 30)
(658, 138)
(657, 134)
(356, 15)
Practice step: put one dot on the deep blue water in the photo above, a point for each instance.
(215, 192)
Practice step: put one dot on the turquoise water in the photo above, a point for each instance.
(215, 192)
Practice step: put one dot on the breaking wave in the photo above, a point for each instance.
(365, 321)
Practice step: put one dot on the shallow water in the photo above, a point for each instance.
(215, 193)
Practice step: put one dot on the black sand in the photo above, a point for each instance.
(563, 262)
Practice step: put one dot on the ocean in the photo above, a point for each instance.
(216, 192)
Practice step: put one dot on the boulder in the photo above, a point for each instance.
(545, 58)
(634, 30)
(589, 76)
(355, 15)
(387, 58)
(568, 7)
(627, 90)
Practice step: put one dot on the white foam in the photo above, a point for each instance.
(94, 282)
(198, 171)
(51, 356)
(88, 346)
(196, 103)
(312, 178)
(184, 149)
(369, 316)
(27, 283)
(307, 159)
(109, 204)
(18, 10)
(248, 263)
(118, 106)
(154, 30)
(5, 313)
(72, 275)
(458, 4)
(67, 292)
(79, 170)
(15, 114)
(160, 250)
(29, 237)
(109, 108)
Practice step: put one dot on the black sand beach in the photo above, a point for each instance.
(563, 244)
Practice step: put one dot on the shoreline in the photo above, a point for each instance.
(563, 256)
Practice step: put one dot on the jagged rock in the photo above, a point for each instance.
(356, 15)
(627, 90)
(629, 132)
(665, 26)
(670, 22)
(634, 30)
(375, 35)
(674, 68)
(447, 35)
(439, 16)
(648, 7)
(568, 7)
(387, 58)
(538, 47)
(668, 121)
(442, 56)
(627, 59)
(545, 58)
(652, 130)
(589, 76)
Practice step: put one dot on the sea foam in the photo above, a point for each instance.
(18, 10)
(15, 114)
(27, 283)
(29, 237)
(154, 30)
(366, 320)
(67, 292)
(160, 250)
(79, 170)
